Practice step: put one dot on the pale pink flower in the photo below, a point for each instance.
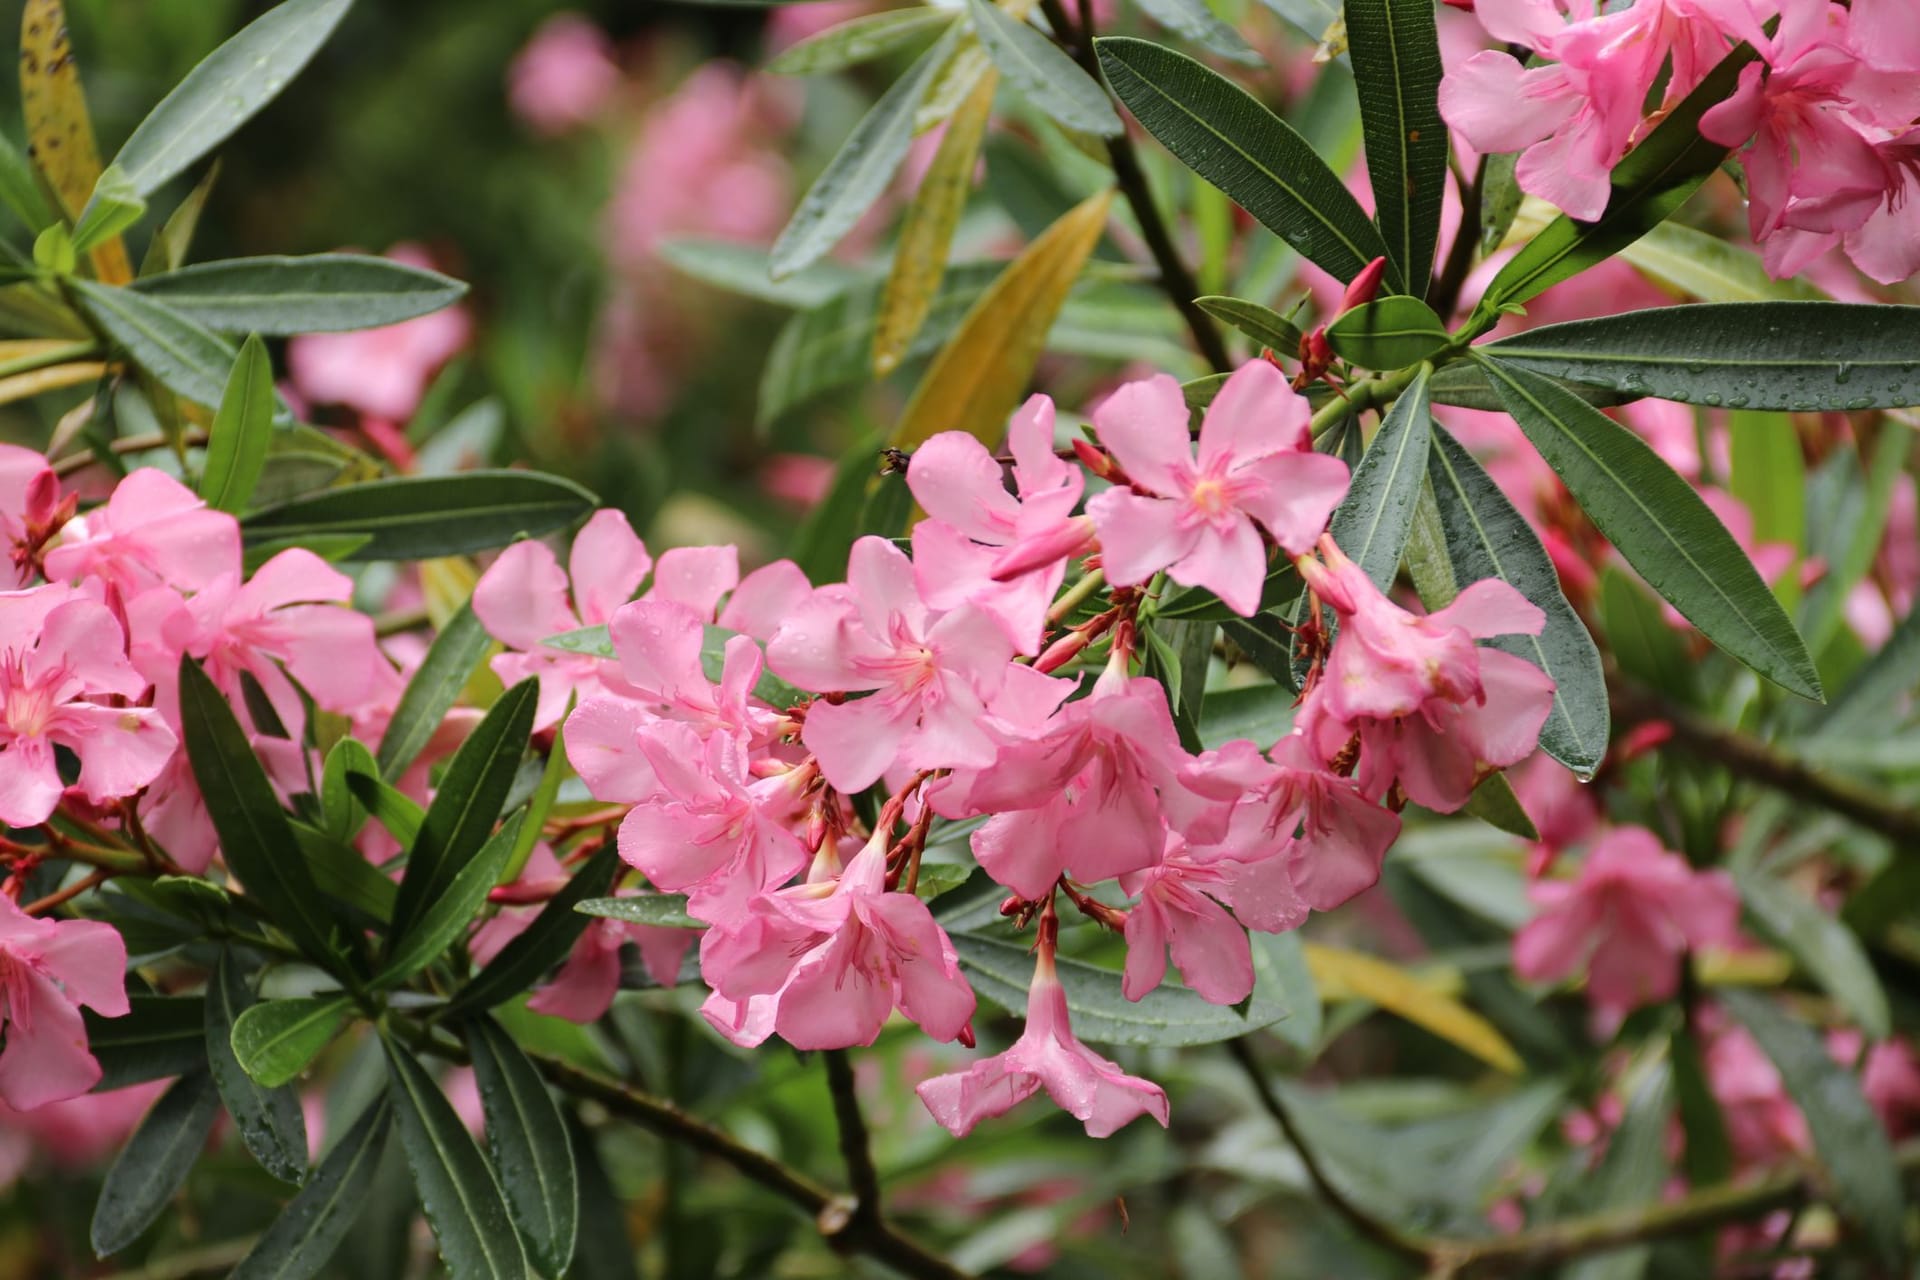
(151, 530)
(75, 1134)
(931, 673)
(1179, 910)
(659, 643)
(985, 546)
(1046, 1056)
(380, 372)
(1764, 1126)
(1626, 921)
(29, 496)
(1196, 518)
(59, 652)
(565, 76)
(828, 961)
(794, 23)
(48, 969)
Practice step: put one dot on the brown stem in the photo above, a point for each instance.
(856, 1148)
(67, 894)
(1132, 180)
(126, 444)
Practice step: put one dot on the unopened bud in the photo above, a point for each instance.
(1365, 286)
(1641, 739)
(1064, 540)
(1061, 652)
(1095, 460)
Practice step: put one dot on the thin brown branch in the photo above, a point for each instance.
(856, 1146)
(68, 894)
(126, 444)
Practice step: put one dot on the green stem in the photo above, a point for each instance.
(1089, 585)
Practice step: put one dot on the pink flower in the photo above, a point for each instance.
(823, 964)
(1763, 1124)
(659, 644)
(380, 372)
(48, 969)
(1177, 910)
(152, 530)
(29, 500)
(58, 652)
(75, 1134)
(1197, 518)
(565, 75)
(1626, 921)
(985, 546)
(1085, 1085)
(931, 673)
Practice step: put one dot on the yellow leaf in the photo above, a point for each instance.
(920, 259)
(446, 583)
(1419, 1001)
(980, 375)
(59, 129)
(24, 385)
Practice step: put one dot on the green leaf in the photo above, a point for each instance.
(1639, 638)
(1268, 328)
(115, 206)
(1485, 537)
(529, 1143)
(344, 875)
(1280, 973)
(858, 175)
(1198, 23)
(1631, 1174)
(1463, 385)
(460, 820)
(318, 293)
(1654, 180)
(237, 444)
(255, 838)
(341, 813)
(225, 90)
(1850, 543)
(1500, 200)
(433, 690)
(1710, 269)
(155, 1161)
(1394, 332)
(1260, 713)
(1265, 641)
(464, 1203)
(1043, 74)
(20, 189)
(399, 813)
(1825, 947)
(661, 909)
(1227, 137)
(604, 1250)
(1493, 802)
(1395, 49)
(273, 1041)
(1371, 525)
(542, 944)
(449, 912)
(303, 1238)
(540, 804)
(421, 517)
(742, 269)
(167, 250)
(1798, 356)
(1769, 475)
(269, 1120)
(159, 1036)
(1168, 1015)
(1847, 1136)
(1708, 1155)
(861, 40)
(1660, 525)
(180, 353)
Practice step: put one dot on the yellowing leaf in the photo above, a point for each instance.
(22, 386)
(1420, 1002)
(979, 376)
(446, 582)
(59, 129)
(920, 259)
(952, 83)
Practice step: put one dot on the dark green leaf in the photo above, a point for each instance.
(341, 812)
(269, 1120)
(1500, 200)
(1660, 525)
(472, 792)
(160, 1036)
(1847, 1135)
(1485, 537)
(1266, 327)
(450, 911)
(604, 1250)
(529, 1144)
(182, 355)
(464, 1203)
(225, 90)
(1198, 23)
(21, 191)
(542, 944)
(1463, 385)
(154, 1163)
(237, 443)
(664, 909)
(1494, 803)
(1800, 356)
(1371, 525)
(1045, 76)
(168, 249)
(273, 1041)
(1227, 137)
(317, 293)
(435, 687)
(399, 813)
(420, 517)
(344, 875)
(1395, 49)
(1170, 1014)
(255, 838)
(311, 1227)
(1266, 642)
(1393, 333)
(1708, 1155)
(860, 40)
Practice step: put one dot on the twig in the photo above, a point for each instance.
(1078, 594)
(400, 621)
(1132, 180)
(126, 444)
(1445, 294)
(1749, 757)
(67, 894)
(856, 1148)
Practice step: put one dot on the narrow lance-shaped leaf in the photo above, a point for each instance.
(273, 1041)
(529, 1143)
(1264, 325)
(542, 944)
(860, 40)
(980, 374)
(270, 1121)
(449, 913)
(181, 354)
(434, 688)
(159, 1036)
(423, 517)
(303, 1238)
(59, 127)
(1352, 974)
(1372, 523)
(666, 910)
(237, 443)
(115, 207)
(1226, 136)
(920, 257)
(1042, 73)
(318, 293)
(225, 90)
(155, 1161)
(1195, 20)
(1660, 525)
(859, 173)
(1395, 49)
(464, 1203)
